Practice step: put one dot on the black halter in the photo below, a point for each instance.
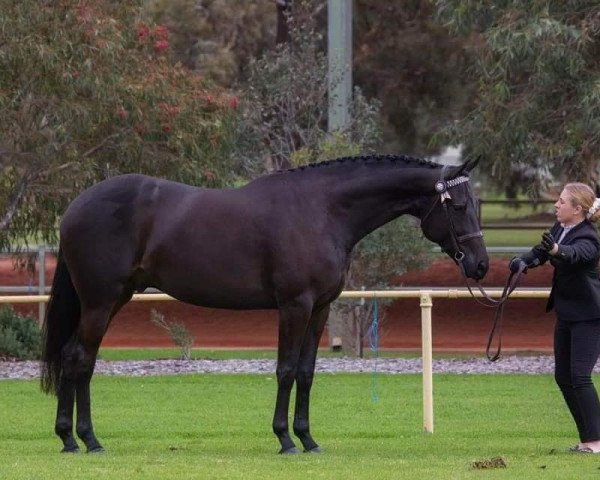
(443, 186)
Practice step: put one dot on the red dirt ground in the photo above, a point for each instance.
(458, 324)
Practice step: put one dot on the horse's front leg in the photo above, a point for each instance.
(304, 379)
(293, 319)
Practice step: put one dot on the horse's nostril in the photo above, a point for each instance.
(482, 268)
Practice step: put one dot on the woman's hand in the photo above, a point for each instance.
(548, 243)
(516, 264)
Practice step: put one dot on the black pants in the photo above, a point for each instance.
(576, 349)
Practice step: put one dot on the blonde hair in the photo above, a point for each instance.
(583, 195)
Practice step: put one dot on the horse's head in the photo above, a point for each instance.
(450, 219)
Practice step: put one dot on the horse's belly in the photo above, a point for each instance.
(209, 289)
(227, 299)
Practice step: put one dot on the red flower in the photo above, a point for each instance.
(166, 127)
(210, 176)
(84, 13)
(233, 103)
(161, 32)
(121, 112)
(169, 110)
(161, 45)
(143, 32)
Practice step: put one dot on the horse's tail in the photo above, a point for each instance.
(62, 318)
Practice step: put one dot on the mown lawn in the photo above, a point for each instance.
(218, 427)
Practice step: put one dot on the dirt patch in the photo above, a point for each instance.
(458, 324)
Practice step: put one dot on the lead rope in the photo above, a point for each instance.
(511, 284)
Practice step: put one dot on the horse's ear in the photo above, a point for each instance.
(466, 167)
(473, 163)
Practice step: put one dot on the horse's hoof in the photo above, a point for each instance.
(289, 451)
(70, 450)
(97, 449)
(316, 449)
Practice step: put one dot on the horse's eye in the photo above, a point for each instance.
(459, 206)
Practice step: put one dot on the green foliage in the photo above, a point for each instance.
(19, 336)
(391, 250)
(285, 107)
(216, 38)
(537, 68)
(333, 146)
(415, 66)
(88, 91)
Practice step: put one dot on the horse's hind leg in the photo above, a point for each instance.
(304, 378)
(64, 414)
(79, 360)
(93, 326)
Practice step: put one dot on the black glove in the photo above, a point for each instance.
(516, 264)
(547, 241)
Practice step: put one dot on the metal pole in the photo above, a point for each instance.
(41, 282)
(339, 53)
(426, 304)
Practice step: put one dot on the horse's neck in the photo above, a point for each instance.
(363, 203)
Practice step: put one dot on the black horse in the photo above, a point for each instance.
(281, 242)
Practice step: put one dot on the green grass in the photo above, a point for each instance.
(218, 427)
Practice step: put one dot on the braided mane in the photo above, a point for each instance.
(364, 159)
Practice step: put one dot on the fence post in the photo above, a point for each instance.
(41, 282)
(426, 304)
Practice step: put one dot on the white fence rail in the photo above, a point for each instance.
(425, 296)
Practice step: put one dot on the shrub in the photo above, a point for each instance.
(19, 335)
(178, 333)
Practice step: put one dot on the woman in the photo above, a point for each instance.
(573, 247)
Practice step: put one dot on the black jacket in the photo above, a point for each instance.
(575, 293)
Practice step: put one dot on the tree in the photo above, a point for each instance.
(416, 68)
(284, 106)
(216, 38)
(87, 90)
(413, 65)
(537, 68)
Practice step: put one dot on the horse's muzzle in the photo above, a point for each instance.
(482, 268)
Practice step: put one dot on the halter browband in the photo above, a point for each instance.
(442, 186)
